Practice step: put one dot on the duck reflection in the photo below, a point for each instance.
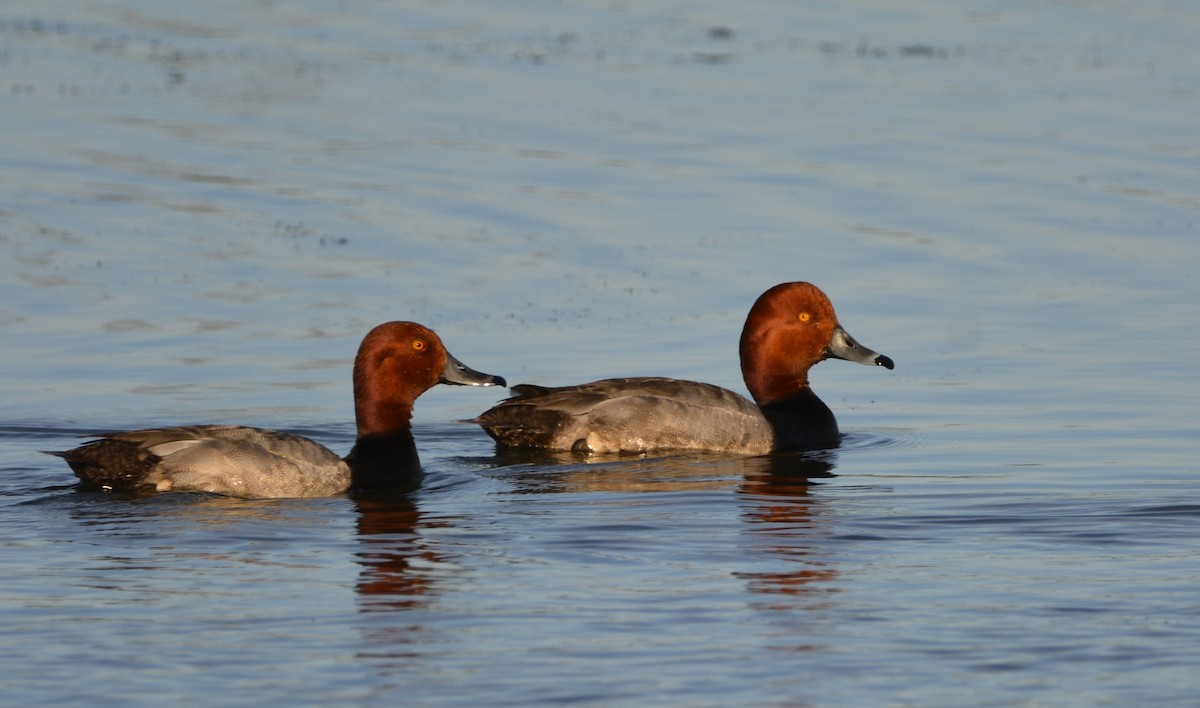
(396, 563)
(783, 521)
(548, 471)
(552, 472)
(782, 517)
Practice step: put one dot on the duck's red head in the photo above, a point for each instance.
(396, 363)
(791, 327)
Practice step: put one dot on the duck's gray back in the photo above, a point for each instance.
(630, 415)
(223, 459)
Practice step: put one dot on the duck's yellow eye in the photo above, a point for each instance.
(805, 317)
(419, 345)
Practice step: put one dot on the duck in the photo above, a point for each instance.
(396, 362)
(791, 327)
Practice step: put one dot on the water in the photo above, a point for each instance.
(203, 208)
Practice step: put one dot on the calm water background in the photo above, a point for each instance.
(203, 206)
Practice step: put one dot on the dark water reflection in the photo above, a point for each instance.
(783, 520)
(398, 571)
(547, 472)
(395, 562)
(399, 565)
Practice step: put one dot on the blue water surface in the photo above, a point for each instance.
(204, 206)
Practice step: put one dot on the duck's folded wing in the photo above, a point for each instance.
(234, 460)
(629, 415)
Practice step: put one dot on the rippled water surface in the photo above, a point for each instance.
(204, 206)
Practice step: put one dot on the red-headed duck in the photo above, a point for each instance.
(791, 327)
(396, 363)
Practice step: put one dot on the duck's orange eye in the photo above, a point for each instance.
(419, 345)
(805, 317)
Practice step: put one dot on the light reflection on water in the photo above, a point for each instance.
(203, 211)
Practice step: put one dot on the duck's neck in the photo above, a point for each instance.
(769, 376)
(384, 462)
(384, 455)
(801, 421)
(379, 417)
(767, 388)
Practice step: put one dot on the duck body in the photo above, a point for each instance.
(630, 415)
(396, 363)
(790, 328)
(223, 459)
